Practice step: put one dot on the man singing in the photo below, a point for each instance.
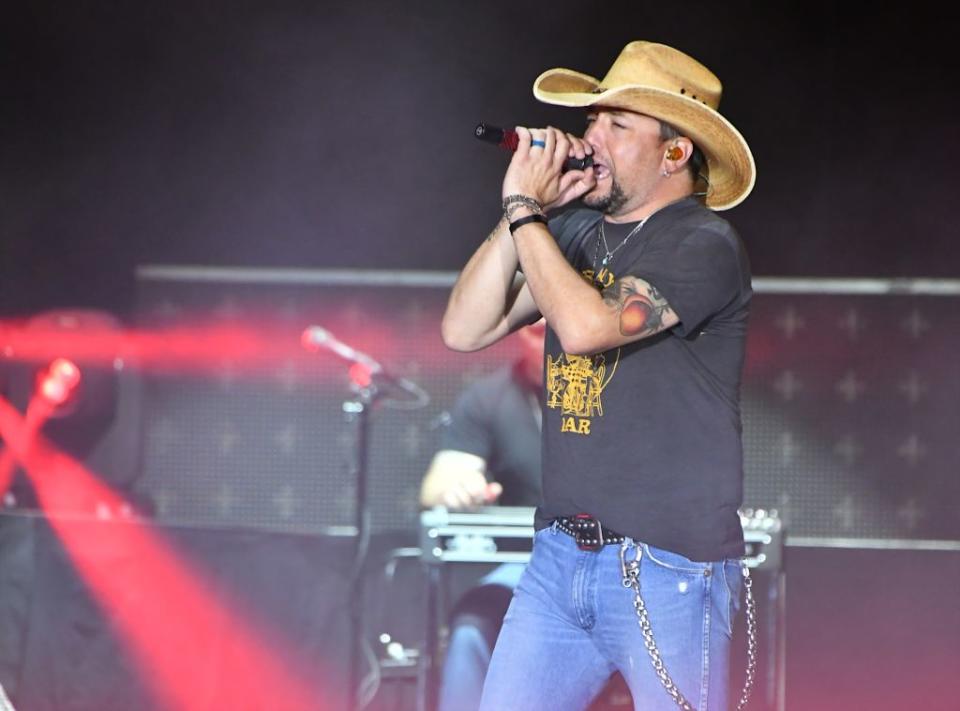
(645, 291)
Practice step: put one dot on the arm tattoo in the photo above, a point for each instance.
(642, 308)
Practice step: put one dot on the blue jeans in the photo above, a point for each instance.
(572, 623)
(473, 632)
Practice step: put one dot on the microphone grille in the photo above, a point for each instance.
(314, 336)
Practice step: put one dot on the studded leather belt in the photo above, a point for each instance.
(588, 532)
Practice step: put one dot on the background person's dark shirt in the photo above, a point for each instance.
(495, 418)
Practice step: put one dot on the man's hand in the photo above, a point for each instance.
(456, 480)
(536, 170)
(471, 492)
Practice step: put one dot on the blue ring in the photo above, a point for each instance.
(538, 142)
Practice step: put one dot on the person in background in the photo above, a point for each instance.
(489, 454)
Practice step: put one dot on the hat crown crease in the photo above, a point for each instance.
(662, 67)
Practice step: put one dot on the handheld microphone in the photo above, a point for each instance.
(507, 139)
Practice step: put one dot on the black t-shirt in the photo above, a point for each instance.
(497, 418)
(646, 437)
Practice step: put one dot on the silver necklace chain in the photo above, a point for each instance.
(631, 579)
(608, 253)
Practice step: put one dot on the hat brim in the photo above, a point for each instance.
(732, 170)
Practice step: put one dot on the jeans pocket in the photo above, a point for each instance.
(673, 561)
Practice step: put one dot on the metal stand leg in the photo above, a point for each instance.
(427, 681)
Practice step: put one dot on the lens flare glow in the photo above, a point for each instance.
(164, 609)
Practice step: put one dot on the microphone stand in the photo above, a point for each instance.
(358, 411)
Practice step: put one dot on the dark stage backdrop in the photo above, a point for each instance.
(339, 134)
(850, 403)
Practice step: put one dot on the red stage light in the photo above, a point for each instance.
(57, 383)
(165, 609)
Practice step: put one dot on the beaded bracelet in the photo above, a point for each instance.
(512, 209)
(518, 200)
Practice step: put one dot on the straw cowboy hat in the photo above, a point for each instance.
(664, 83)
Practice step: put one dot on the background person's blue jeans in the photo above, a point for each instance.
(473, 632)
(572, 623)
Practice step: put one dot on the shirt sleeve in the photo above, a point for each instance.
(698, 274)
(469, 430)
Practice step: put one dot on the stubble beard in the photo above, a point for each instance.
(609, 204)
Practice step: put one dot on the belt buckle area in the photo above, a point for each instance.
(589, 533)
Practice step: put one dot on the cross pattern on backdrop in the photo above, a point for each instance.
(851, 409)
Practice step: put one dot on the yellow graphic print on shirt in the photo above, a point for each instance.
(575, 383)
